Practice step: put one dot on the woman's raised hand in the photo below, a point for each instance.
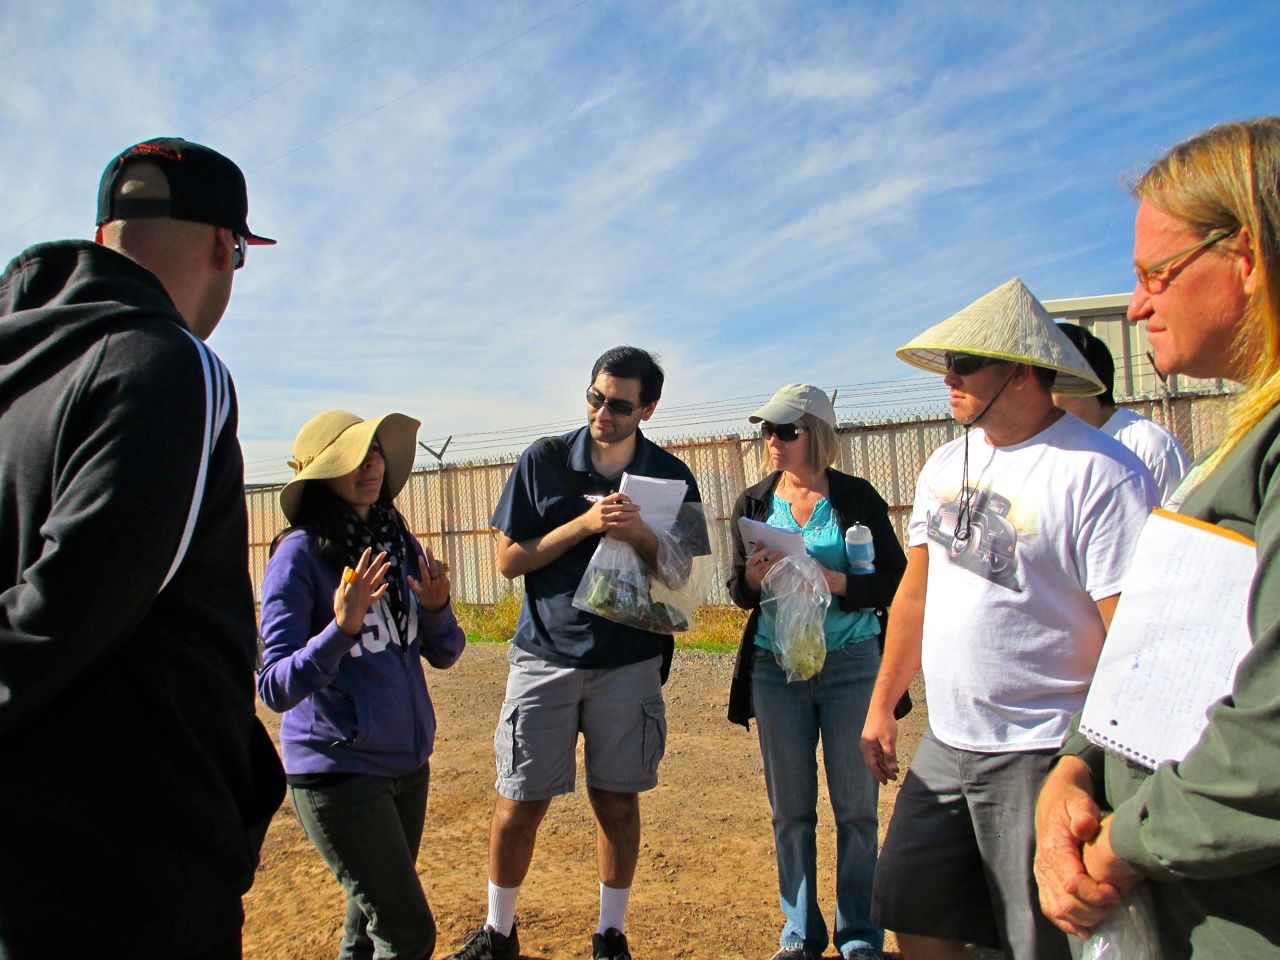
(358, 590)
(432, 590)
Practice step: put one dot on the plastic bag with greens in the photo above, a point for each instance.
(794, 597)
(620, 586)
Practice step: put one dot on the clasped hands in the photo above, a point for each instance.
(618, 518)
(1080, 878)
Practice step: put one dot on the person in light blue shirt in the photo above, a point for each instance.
(802, 493)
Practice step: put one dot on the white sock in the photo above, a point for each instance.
(613, 908)
(502, 908)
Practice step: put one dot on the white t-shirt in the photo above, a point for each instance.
(1155, 446)
(1011, 628)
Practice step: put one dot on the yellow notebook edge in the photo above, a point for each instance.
(1204, 525)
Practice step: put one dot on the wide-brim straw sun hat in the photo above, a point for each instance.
(1009, 323)
(792, 402)
(333, 443)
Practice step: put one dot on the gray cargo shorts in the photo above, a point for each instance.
(618, 710)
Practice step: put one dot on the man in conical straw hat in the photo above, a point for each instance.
(1019, 535)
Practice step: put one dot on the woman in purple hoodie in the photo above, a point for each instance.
(351, 606)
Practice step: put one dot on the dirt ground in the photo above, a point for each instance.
(705, 887)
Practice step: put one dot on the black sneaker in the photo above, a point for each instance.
(487, 944)
(610, 945)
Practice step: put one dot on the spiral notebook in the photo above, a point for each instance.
(1175, 641)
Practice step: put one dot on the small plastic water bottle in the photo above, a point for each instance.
(861, 551)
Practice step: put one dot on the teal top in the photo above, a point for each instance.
(824, 541)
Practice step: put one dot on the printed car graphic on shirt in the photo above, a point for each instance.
(986, 544)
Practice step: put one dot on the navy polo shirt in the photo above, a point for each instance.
(544, 492)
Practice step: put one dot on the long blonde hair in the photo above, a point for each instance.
(1229, 177)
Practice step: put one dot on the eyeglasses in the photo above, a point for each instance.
(1158, 272)
(621, 408)
(786, 432)
(238, 254)
(963, 364)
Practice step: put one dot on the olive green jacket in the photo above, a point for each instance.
(1206, 831)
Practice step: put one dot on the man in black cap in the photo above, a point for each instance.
(137, 781)
(1161, 452)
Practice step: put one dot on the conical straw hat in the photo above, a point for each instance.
(1008, 324)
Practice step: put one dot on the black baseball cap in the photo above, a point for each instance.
(1096, 352)
(204, 186)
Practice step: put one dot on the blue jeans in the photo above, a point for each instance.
(789, 718)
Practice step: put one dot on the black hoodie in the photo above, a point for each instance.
(127, 634)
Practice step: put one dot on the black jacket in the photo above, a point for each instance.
(136, 778)
(853, 500)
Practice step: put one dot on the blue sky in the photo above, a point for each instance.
(474, 199)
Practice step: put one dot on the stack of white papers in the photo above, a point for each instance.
(757, 536)
(659, 500)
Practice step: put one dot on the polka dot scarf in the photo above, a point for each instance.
(381, 532)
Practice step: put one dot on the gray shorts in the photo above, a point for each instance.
(619, 711)
(956, 861)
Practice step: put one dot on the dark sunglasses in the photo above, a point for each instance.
(621, 408)
(963, 364)
(238, 253)
(786, 432)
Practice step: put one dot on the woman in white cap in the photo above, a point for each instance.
(801, 492)
(351, 606)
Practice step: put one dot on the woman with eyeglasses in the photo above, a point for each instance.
(801, 492)
(351, 607)
(1201, 834)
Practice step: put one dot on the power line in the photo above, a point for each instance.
(706, 412)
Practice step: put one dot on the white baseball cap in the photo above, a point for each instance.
(792, 402)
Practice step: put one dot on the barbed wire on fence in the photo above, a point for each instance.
(450, 504)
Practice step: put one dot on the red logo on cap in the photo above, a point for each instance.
(155, 148)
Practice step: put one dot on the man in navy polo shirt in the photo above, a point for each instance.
(573, 671)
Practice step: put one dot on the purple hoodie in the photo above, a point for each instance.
(348, 708)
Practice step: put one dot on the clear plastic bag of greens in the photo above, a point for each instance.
(619, 586)
(1129, 933)
(794, 597)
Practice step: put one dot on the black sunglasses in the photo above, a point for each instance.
(621, 408)
(963, 364)
(786, 432)
(238, 252)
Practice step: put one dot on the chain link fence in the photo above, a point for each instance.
(449, 507)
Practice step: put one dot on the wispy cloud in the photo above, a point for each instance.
(760, 191)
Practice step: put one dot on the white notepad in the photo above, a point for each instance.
(659, 499)
(756, 534)
(1178, 634)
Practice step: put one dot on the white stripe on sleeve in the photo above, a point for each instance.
(217, 408)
